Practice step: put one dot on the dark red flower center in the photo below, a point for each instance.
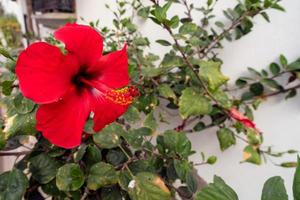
(79, 78)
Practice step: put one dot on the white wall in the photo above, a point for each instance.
(278, 119)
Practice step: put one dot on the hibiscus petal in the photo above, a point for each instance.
(44, 73)
(112, 69)
(105, 110)
(83, 41)
(62, 122)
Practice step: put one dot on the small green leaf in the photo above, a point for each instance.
(69, 177)
(283, 60)
(132, 115)
(257, 89)
(252, 155)
(13, 185)
(293, 66)
(274, 189)
(22, 104)
(174, 143)
(43, 168)
(211, 72)
(188, 28)
(296, 182)
(6, 54)
(7, 87)
(272, 84)
(182, 168)
(78, 155)
(192, 102)
(218, 190)
(274, 68)
(150, 121)
(226, 138)
(166, 91)
(144, 12)
(163, 42)
(100, 175)
(109, 137)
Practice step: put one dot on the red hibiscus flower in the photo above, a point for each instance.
(235, 114)
(70, 86)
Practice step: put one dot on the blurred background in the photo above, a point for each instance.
(24, 21)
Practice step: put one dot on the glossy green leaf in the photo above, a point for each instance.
(218, 190)
(43, 168)
(274, 189)
(101, 174)
(109, 137)
(150, 121)
(13, 185)
(226, 138)
(132, 115)
(296, 182)
(174, 143)
(211, 72)
(252, 155)
(192, 102)
(69, 177)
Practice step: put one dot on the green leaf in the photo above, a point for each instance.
(283, 60)
(226, 138)
(272, 84)
(182, 168)
(101, 174)
(43, 168)
(135, 137)
(188, 28)
(191, 182)
(174, 143)
(293, 66)
(252, 155)
(132, 115)
(78, 155)
(141, 41)
(2, 140)
(296, 182)
(7, 87)
(218, 190)
(115, 157)
(6, 54)
(192, 102)
(171, 60)
(150, 121)
(257, 89)
(174, 22)
(109, 137)
(69, 177)
(21, 124)
(291, 94)
(222, 98)
(144, 12)
(147, 186)
(274, 189)
(92, 155)
(274, 68)
(166, 91)
(163, 42)
(210, 71)
(22, 104)
(13, 185)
